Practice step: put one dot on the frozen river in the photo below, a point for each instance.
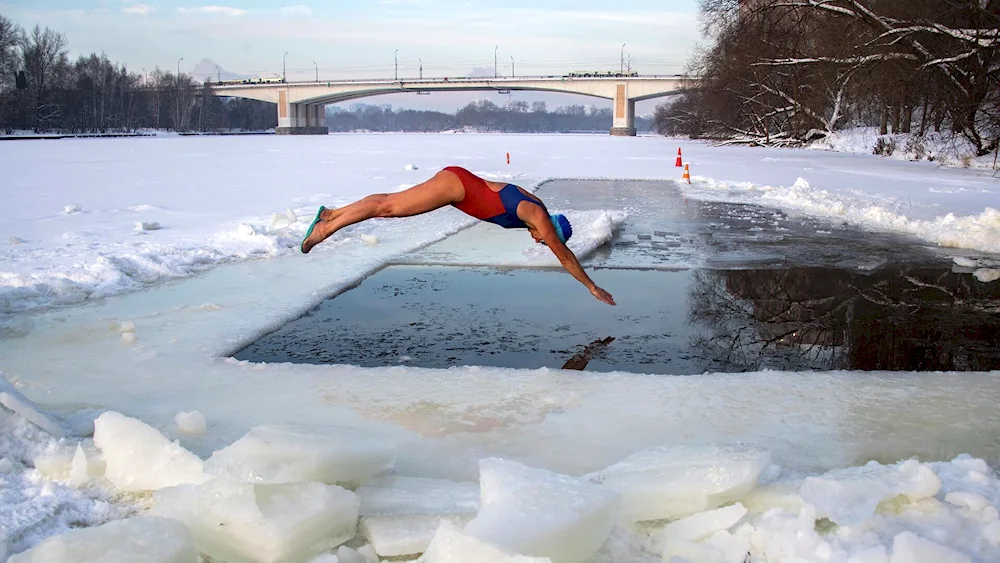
(219, 269)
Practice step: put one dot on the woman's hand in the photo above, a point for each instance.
(602, 295)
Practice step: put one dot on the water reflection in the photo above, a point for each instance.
(680, 322)
(903, 318)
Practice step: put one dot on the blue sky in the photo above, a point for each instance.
(359, 39)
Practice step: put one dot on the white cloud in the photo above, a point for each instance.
(138, 9)
(299, 10)
(213, 10)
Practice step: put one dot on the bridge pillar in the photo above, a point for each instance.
(623, 123)
(299, 119)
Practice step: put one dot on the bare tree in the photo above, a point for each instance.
(9, 36)
(796, 69)
(43, 53)
(185, 95)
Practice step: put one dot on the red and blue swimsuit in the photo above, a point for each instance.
(483, 203)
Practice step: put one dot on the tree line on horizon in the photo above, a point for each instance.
(790, 71)
(41, 90)
(484, 115)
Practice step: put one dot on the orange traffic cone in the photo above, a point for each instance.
(687, 174)
(678, 163)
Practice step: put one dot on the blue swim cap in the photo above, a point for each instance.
(563, 228)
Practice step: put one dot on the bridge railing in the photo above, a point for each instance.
(442, 80)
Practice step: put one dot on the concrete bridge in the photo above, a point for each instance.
(301, 104)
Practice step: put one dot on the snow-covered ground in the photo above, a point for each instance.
(945, 148)
(100, 310)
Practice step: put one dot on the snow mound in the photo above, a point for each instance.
(850, 496)
(908, 547)
(978, 231)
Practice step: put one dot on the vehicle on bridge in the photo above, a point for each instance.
(272, 80)
(602, 73)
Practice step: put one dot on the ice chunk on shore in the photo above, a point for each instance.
(394, 495)
(721, 547)
(408, 534)
(987, 275)
(147, 226)
(191, 423)
(669, 482)
(784, 495)
(874, 554)
(74, 464)
(703, 524)
(363, 554)
(535, 512)
(23, 407)
(974, 502)
(278, 454)
(143, 538)
(908, 547)
(55, 462)
(450, 545)
(139, 458)
(401, 514)
(284, 219)
(850, 496)
(255, 523)
(681, 537)
(965, 262)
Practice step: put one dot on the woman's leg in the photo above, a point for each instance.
(443, 189)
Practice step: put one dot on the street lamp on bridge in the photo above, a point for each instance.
(283, 76)
(495, 61)
(623, 59)
(317, 70)
(179, 68)
(395, 62)
(219, 70)
(512, 66)
(421, 61)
